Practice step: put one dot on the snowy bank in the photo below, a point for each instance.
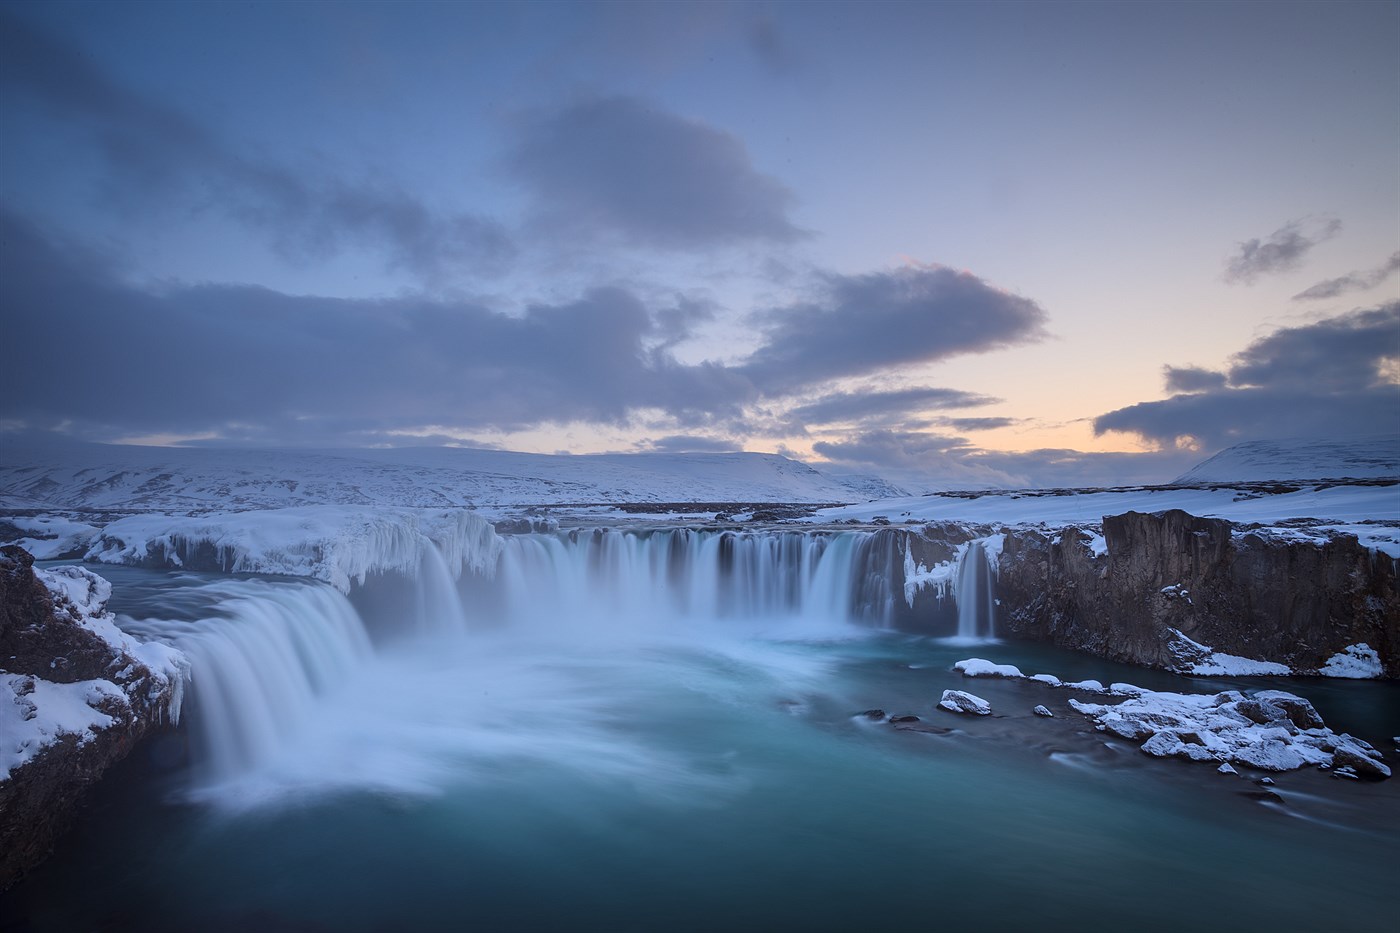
(338, 544)
(76, 693)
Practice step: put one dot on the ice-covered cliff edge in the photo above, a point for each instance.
(76, 693)
(337, 544)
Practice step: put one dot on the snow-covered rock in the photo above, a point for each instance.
(75, 694)
(979, 667)
(1358, 662)
(1192, 657)
(958, 701)
(1043, 711)
(1272, 730)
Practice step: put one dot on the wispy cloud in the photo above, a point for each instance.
(1353, 282)
(1283, 251)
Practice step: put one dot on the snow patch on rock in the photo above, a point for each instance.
(959, 701)
(1358, 662)
(980, 667)
(1272, 730)
(1192, 657)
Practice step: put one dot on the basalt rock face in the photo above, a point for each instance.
(1171, 574)
(46, 647)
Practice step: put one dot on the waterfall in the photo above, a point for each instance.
(259, 666)
(276, 664)
(615, 577)
(976, 603)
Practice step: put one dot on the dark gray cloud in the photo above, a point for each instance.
(1352, 282)
(899, 404)
(1342, 353)
(859, 324)
(978, 424)
(1192, 379)
(81, 346)
(925, 462)
(1325, 379)
(257, 366)
(690, 443)
(157, 158)
(1281, 252)
(622, 166)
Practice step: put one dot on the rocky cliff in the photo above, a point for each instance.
(1200, 595)
(75, 695)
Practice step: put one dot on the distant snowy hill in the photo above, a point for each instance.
(866, 486)
(93, 476)
(1374, 457)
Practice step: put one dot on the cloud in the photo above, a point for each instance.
(899, 404)
(859, 324)
(1352, 282)
(1330, 378)
(155, 157)
(1283, 251)
(1192, 379)
(978, 424)
(239, 363)
(927, 462)
(622, 166)
(248, 362)
(689, 443)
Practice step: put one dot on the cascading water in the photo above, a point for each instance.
(268, 656)
(976, 603)
(627, 577)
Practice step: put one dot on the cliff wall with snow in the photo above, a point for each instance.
(76, 694)
(1199, 595)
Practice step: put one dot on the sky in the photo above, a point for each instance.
(948, 244)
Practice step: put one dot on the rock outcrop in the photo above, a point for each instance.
(76, 694)
(1180, 592)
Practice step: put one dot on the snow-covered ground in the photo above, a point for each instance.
(1371, 512)
(1370, 457)
(183, 479)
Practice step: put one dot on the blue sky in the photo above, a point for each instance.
(951, 243)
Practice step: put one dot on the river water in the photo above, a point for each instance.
(563, 751)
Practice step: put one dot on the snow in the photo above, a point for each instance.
(1196, 658)
(173, 479)
(1225, 728)
(337, 544)
(82, 595)
(1336, 504)
(1301, 459)
(50, 536)
(1358, 662)
(979, 667)
(958, 701)
(942, 576)
(35, 713)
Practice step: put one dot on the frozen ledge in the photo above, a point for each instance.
(337, 544)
